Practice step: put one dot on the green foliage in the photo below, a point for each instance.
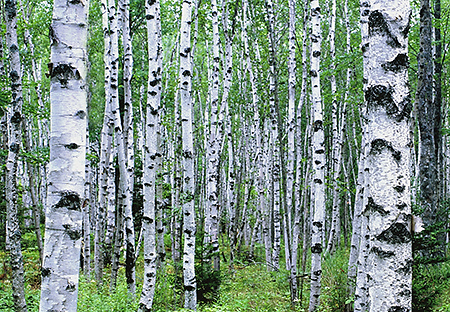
(334, 282)
(91, 298)
(37, 156)
(208, 279)
(251, 289)
(429, 283)
(32, 280)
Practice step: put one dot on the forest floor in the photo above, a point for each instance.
(249, 287)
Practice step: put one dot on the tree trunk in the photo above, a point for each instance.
(428, 158)
(189, 227)
(15, 118)
(150, 154)
(128, 146)
(214, 142)
(387, 113)
(105, 151)
(68, 97)
(318, 160)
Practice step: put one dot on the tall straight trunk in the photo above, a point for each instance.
(108, 226)
(334, 234)
(438, 61)
(318, 160)
(150, 153)
(428, 158)
(14, 146)
(128, 146)
(356, 230)
(291, 126)
(125, 194)
(361, 285)
(274, 112)
(105, 151)
(36, 211)
(68, 98)
(296, 227)
(189, 227)
(176, 225)
(86, 252)
(214, 141)
(302, 224)
(387, 186)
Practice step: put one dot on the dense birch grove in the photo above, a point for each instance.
(163, 146)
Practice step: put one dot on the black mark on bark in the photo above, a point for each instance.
(70, 200)
(397, 233)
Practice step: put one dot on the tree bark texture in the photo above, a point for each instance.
(189, 227)
(318, 160)
(150, 153)
(14, 124)
(387, 139)
(428, 157)
(68, 97)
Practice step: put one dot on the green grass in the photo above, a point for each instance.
(250, 288)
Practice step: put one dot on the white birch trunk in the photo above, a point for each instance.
(189, 227)
(214, 142)
(388, 140)
(336, 143)
(86, 213)
(68, 97)
(276, 167)
(15, 117)
(318, 160)
(150, 153)
(105, 151)
(128, 145)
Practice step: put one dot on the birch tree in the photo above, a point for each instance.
(105, 151)
(291, 124)
(214, 141)
(68, 98)
(387, 206)
(189, 227)
(318, 160)
(151, 150)
(14, 125)
(428, 157)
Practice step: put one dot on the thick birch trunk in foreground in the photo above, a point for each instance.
(68, 97)
(387, 186)
(189, 227)
(14, 145)
(150, 153)
(318, 160)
